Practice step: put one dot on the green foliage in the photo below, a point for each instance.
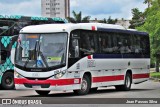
(103, 21)
(109, 20)
(149, 2)
(137, 19)
(77, 18)
(155, 75)
(152, 26)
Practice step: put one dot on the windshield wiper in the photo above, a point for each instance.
(41, 54)
(43, 58)
(26, 63)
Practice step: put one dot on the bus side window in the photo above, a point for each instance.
(106, 43)
(135, 48)
(144, 44)
(3, 55)
(74, 47)
(89, 43)
(125, 46)
(116, 43)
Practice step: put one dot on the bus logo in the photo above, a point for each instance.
(91, 63)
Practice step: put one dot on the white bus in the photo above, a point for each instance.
(80, 57)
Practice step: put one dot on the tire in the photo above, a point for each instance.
(85, 86)
(92, 90)
(127, 83)
(43, 93)
(8, 81)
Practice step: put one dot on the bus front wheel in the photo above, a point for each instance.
(85, 86)
(127, 83)
(43, 93)
(8, 81)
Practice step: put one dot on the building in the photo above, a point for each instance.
(124, 23)
(55, 8)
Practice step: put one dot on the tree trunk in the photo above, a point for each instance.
(157, 65)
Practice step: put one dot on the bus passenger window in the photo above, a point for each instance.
(89, 44)
(3, 56)
(106, 43)
(135, 48)
(74, 48)
(144, 44)
(124, 43)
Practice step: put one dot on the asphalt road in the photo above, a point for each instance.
(149, 89)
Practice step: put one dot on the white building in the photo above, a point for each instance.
(55, 8)
(124, 23)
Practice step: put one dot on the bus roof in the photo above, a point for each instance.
(31, 18)
(51, 28)
(11, 25)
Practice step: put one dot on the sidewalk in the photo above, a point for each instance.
(152, 70)
(154, 78)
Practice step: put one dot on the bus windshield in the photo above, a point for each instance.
(41, 50)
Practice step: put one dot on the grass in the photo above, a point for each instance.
(155, 75)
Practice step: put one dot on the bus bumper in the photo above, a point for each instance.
(55, 85)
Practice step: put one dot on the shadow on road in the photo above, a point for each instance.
(71, 94)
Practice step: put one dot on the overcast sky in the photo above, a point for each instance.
(95, 8)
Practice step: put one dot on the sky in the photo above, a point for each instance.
(99, 9)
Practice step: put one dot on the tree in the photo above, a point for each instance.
(152, 26)
(103, 21)
(109, 20)
(137, 19)
(77, 18)
(149, 2)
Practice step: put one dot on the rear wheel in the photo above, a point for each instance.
(127, 84)
(85, 86)
(8, 81)
(43, 93)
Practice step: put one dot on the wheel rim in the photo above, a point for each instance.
(8, 81)
(84, 85)
(128, 82)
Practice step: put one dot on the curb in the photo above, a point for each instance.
(154, 79)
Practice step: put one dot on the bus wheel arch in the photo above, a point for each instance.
(127, 82)
(7, 81)
(129, 71)
(85, 84)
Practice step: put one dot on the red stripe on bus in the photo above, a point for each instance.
(93, 28)
(137, 76)
(118, 77)
(51, 82)
(72, 81)
(108, 78)
(89, 57)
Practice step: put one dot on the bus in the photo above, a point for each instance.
(9, 29)
(80, 57)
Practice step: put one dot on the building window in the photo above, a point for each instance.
(47, 12)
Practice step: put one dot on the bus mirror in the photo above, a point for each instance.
(76, 51)
(12, 55)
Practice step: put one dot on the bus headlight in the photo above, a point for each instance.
(17, 75)
(59, 74)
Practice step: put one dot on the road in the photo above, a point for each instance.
(149, 89)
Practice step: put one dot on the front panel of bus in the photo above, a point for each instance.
(41, 56)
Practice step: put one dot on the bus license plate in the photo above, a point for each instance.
(36, 86)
